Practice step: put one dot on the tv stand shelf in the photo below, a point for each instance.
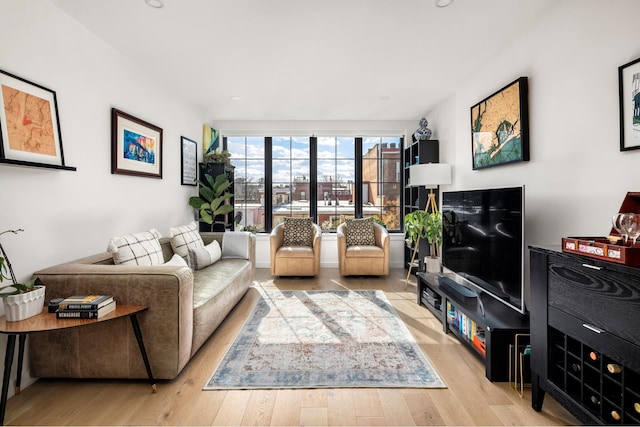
(472, 319)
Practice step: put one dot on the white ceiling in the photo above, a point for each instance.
(308, 60)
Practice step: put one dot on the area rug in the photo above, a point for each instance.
(324, 339)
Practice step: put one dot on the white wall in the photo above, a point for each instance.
(577, 177)
(66, 214)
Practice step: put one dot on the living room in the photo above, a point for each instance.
(576, 177)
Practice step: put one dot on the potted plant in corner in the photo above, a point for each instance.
(212, 200)
(20, 300)
(423, 225)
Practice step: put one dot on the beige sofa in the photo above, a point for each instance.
(185, 308)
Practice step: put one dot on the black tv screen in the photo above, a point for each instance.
(483, 241)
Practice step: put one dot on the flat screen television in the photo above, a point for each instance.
(483, 241)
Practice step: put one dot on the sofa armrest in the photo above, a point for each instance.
(276, 239)
(167, 326)
(381, 235)
(317, 247)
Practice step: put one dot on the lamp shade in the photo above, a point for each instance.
(429, 175)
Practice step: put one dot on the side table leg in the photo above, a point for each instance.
(138, 334)
(21, 339)
(8, 361)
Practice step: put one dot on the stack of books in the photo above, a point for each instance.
(85, 307)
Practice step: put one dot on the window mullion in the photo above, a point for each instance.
(313, 178)
(268, 185)
(358, 177)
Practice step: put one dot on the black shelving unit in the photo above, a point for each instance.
(486, 329)
(585, 347)
(415, 198)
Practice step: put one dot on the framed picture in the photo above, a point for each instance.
(629, 92)
(136, 146)
(210, 140)
(189, 158)
(29, 124)
(500, 127)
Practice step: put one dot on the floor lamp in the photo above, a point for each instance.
(428, 175)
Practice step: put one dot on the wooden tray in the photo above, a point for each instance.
(607, 248)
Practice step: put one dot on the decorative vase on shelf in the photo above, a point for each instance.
(423, 133)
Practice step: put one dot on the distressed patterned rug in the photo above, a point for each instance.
(324, 339)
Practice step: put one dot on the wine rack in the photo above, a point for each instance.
(605, 388)
(585, 348)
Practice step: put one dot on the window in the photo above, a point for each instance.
(330, 178)
(335, 181)
(248, 158)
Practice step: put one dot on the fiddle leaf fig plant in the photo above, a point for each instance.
(212, 200)
(5, 267)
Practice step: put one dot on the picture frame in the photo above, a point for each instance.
(500, 127)
(629, 95)
(189, 161)
(29, 124)
(136, 146)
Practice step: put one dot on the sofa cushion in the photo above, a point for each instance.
(176, 261)
(359, 232)
(184, 238)
(295, 252)
(358, 251)
(298, 232)
(200, 258)
(235, 244)
(137, 249)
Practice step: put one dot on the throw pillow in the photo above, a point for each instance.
(235, 244)
(137, 249)
(184, 238)
(176, 261)
(359, 232)
(203, 257)
(298, 231)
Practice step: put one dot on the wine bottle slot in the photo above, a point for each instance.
(636, 406)
(595, 400)
(593, 356)
(575, 367)
(614, 368)
(615, 415)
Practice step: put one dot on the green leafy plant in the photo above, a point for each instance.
(423, 225)
(379, 221)
(5, 267)
(213, 198)
(223, 157)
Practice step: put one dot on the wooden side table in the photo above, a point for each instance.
(46, 321)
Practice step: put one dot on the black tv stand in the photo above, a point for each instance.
(485, 325)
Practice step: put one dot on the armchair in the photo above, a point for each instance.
(364, 260)
(295, 260)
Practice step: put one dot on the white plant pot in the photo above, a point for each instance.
(23, 306)
(432, 264)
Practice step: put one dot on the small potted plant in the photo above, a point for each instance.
(20, 300)
(212, 200)
(423, 225)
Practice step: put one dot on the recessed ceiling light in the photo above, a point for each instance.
(443, 3)
(384, 98)
(235, 98)
(158, 4)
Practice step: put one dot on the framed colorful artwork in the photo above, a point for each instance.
(29, 124)
(629, 93)
(189, 161)
(210, 140)
(500, 127)
(136, 146)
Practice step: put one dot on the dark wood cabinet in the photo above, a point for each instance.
(415, 198)
(483, 324)
(585, 336)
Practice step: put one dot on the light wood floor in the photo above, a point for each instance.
(470, 398)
